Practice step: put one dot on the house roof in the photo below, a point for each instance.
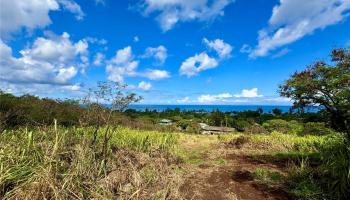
(217, 128)
(165, 121)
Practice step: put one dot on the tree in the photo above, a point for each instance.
(109, 97)
(277, 111)
(324, 85)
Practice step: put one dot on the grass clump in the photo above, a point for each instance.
(267, 176)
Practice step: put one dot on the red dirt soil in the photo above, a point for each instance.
(231, 180)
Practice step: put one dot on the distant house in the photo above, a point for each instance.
(211, 130)
(165, 122)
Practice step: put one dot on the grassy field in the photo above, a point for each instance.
(122, 163)
(79, 163)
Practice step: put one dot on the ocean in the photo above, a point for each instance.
(222, 108)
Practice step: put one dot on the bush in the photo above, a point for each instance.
(240, 124)
(316, 128)
(282, 126)
(255, 129)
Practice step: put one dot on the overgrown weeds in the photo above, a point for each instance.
(70, 163)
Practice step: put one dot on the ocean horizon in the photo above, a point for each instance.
(210, 108)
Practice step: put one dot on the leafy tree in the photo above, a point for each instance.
(217, 118)
(325, 85)
(277, 111)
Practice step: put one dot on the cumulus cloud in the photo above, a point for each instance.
(48, 60)
(156, 74)
(230, 98)
(39, 89)
(56, 49)
(99, 59)
(123, 64)
(197, 63)
(17, 14)
(183, 100)
(49, 64)
(145, 85)
(219, 46)
(136, 39)
(169, 13)
(291, 20)
(159, 53)
(248, 93)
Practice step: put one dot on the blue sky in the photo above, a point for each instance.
(167, 51)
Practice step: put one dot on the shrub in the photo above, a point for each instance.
(240, 124)
(282, 126)
(316, 128)
(255, 129)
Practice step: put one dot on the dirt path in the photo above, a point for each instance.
(217, 172)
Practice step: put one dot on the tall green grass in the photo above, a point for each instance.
(76, 163)
(276, 141)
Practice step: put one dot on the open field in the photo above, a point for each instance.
(123, 163)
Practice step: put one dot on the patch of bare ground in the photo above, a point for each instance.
(231, 179)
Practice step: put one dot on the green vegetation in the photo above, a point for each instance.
(319, 165)
(69, 163)
(267, 176)
(83, 149)
(325, 85)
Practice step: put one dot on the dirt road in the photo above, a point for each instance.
(215, 171)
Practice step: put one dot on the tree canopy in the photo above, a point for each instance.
(326, 85)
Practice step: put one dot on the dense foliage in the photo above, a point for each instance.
(325, 85)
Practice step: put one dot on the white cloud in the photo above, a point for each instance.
(73, 7)
(136, 39)
(40, 89)
(65, 74)
(156, 74)
(17, 14)
(123, 64)
(75, 87)
(280, 53)
(248, 93)
(145, 85)
(207, 98)
(222, 49)
(245, 49)
(171, 12)
(291, 20)
(56, 49)
(99, 59)
(98, 41)
(197, 63)
(54, 60)
(183, 100)
(159, 53)
(245, 96)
